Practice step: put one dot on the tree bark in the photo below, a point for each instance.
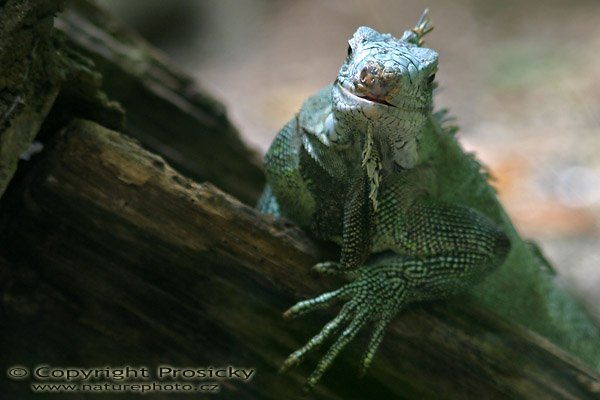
(109, 256)
(27, 87)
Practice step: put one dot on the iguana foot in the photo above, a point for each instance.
(377, 293)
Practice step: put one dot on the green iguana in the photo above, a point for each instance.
(368, 165)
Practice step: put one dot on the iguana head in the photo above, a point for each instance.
(386, 83)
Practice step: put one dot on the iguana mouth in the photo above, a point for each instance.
(375, 100)
(368, 97)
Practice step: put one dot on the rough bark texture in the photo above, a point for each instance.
(109, 256)
(28, 85)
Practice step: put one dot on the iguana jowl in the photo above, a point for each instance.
(359, 165)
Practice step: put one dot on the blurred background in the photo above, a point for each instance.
(521, 78)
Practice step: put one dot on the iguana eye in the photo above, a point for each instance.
(431, 78)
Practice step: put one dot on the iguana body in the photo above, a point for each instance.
(368, 165)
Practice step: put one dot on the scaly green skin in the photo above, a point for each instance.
(366, 164)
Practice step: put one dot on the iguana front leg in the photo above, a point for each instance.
(286, 188)
(357, 225)
(448, 249)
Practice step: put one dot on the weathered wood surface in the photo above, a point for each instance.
(121, 258)
(165, 108)
(108, 256)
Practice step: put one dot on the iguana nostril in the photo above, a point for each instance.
(371, 72)
(365, 77)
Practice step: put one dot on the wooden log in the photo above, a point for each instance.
(165, 108)
(122, 260)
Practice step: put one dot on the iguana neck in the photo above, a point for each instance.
(396, 133)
